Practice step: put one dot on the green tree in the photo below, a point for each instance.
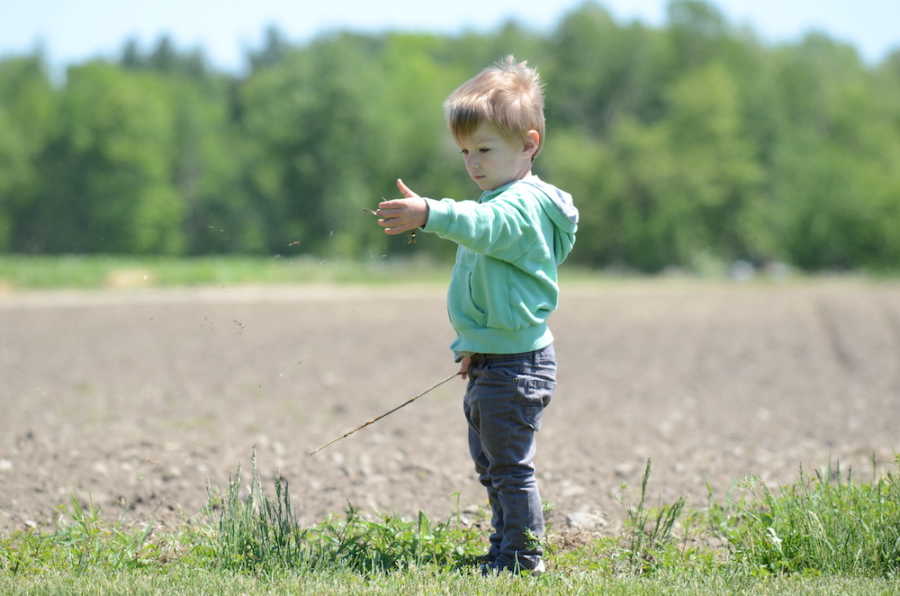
(107, 177)
(314, 120)
(587, 168)
(835, 170)
(275, 48)
(27, 120)
(206, 165)
(697, 31)
(599, 71)
(679, 142)
(717, 180)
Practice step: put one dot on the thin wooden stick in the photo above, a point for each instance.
(376, 419)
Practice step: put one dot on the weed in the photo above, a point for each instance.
(81, 542)
(259, 532)
(649, 531)
(825, 524)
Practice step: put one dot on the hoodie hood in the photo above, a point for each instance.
(560, 208)
(561, 200)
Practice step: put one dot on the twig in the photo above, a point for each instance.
(377, 418)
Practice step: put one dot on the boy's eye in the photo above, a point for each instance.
(484, 149)
(464, 151)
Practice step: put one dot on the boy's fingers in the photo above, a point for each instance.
(392, 219)
(401, 215)
(464, 365)
(395, 204)
(405, 189)
(392, 225)
(395, 211)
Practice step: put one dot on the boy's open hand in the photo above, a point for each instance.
(402, 215)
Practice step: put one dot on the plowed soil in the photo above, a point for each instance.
(137, 401)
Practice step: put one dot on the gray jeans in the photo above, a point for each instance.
(504, 403)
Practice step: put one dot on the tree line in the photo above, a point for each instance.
(689, 141)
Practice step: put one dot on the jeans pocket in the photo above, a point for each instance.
(532, 396)
(534, 391)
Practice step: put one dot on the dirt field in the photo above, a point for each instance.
(135, 401)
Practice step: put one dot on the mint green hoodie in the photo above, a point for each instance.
(504, 283)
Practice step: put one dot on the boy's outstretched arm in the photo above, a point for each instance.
(402, 215)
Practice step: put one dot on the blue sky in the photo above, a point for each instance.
(73, 30)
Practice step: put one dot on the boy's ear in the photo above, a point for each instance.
(532, 142)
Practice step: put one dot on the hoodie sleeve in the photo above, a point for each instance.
(499, 228)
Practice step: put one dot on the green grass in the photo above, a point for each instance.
(430, 580)
(97, 271)
(256, 532)
(826, 524)
(835, 536)
(89, 272)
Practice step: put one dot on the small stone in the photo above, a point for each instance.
(624, 469)
(5, 465)
(569, 489)
(585, 520)
(365, 465)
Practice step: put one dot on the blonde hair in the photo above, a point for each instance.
(508, 95)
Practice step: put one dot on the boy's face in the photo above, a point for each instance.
(492, 159)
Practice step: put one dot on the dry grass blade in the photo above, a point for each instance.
(377, 418)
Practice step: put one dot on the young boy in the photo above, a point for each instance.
(503, 288)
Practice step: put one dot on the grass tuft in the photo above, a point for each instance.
(258, 531)
(826, 524)
(81, 542)
(650, 531)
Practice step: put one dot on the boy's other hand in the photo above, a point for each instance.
(464, 365)
(402, 215)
